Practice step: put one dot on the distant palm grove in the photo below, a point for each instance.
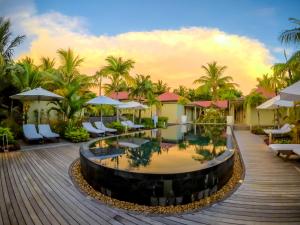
(62, 75)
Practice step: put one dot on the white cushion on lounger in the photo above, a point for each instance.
(101, 126)
(286, 128)
(45, 131)
(89, 128)
(132, 125)
(297, 151)
(284, 147)
(31, 133)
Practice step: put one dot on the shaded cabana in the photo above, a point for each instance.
(37, 94)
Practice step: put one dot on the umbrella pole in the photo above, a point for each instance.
(117, 114)
(39, 112)
(101, 112)
(133, 116)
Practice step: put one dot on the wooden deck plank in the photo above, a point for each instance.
(35, 188)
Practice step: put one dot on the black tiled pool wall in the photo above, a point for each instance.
(158, 189)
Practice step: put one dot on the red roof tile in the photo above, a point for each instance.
(168, 97)
(223, 104)
(122, 95)
(264, 92)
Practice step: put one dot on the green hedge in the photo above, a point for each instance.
(148, 122)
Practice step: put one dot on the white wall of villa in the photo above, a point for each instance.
(44, 106)
(172, 110)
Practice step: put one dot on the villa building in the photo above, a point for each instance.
(249, 115)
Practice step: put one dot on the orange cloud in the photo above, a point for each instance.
(174, 56)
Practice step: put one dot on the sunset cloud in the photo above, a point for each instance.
(174, 56)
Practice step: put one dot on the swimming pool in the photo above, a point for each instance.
(172, 166)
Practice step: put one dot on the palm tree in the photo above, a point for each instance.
(142, 86)
(160, 87)
(72, 102)
(118, 71)
(3, 74)
(47, 64)
(152, 100)
(291, 35)
(265, 81)
(182, 91)
(25, 75)
(116, 85)
(214, 79)
(7, 43)
(69, 64)
(97, 78)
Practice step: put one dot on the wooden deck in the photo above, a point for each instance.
(35, 188)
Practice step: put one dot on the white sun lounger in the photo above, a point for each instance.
(286, 128)
(101, 126)
(297, 151)
(89, 128)
(45, 131)
(285, 148)
(30, 133)
(130, 124)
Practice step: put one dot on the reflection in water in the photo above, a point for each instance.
(177, 148)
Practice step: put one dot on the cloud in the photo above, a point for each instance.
(175, 56)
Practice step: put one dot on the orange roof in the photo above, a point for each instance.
(264, 92)
(168, 97)
(122, 95)
(223, 104)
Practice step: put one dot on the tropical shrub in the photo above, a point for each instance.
(213, 116)
(76, 134)
(14, 127)
(282, 141)
(117, 125)
(162, 121)
(257, 130)
(6, 131)
(147, 122)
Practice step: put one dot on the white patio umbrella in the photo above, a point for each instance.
(132, 105)
(37, 94)
(275, 103)
(291, 93)
(104, 100)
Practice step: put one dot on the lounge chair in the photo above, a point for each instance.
(286, 149)
(46, 132)
(30, 133)
(99, 125)
(286, 128)
(297, 150)
(131, 125)
(92, 130)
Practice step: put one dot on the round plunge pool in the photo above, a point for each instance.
(172, 166)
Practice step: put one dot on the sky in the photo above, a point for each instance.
(168, 39)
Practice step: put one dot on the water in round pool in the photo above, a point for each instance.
(175, 165)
